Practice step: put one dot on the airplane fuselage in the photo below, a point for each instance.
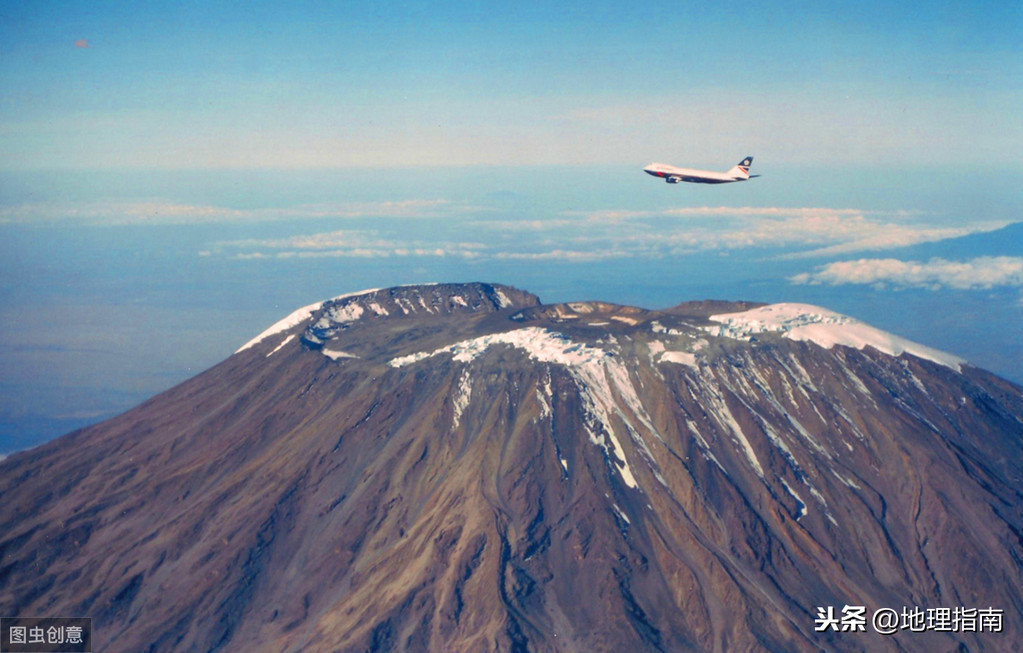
(671, 173)
(675, 175)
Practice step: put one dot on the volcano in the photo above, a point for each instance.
(458, 467)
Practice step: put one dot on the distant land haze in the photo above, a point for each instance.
(461, 467)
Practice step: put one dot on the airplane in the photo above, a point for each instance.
(673, 175)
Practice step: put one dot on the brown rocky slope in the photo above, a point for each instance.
(461, 468)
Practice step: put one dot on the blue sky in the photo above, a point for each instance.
(186, 85)
(176, 176)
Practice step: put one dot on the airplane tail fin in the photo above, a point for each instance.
(741, 169)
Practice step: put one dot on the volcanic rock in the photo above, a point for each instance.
(458, 467)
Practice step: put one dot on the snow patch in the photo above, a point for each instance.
(299, 316)
(292, 320)
(804, 322)
(461, 400)
(539, 343)
(283, 342)
(593, 369)
(765, 392)
(680, 357)
(858, 383)
(816, 495)
(846, 481)
(377, 308)
(618, 511)
(660, 354)
(917, 382)
(702, 444)
(334, 355)
(801, 505)
(623, 465)
(719, 408)
(502, 299)
(348, 313)
(543, 397)
(657, 327)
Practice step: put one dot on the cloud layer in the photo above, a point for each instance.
(976, 274)
(579, 237)
(345, 243)
(166, 212)
(436, 228)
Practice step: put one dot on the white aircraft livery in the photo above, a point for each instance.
(673, 175)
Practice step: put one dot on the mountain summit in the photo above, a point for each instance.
(458, 467)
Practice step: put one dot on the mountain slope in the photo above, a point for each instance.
(461, 468)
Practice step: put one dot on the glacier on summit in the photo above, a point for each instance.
(823, 327)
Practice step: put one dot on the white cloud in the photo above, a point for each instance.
(575, 256)
(891, 236)
(345, 243)
(817, 231)
(165, 212)
(980, 273)
(112, 213)
(612, 217)
(614, 234)
(806, 232)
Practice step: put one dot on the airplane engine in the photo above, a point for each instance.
(673, 180)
